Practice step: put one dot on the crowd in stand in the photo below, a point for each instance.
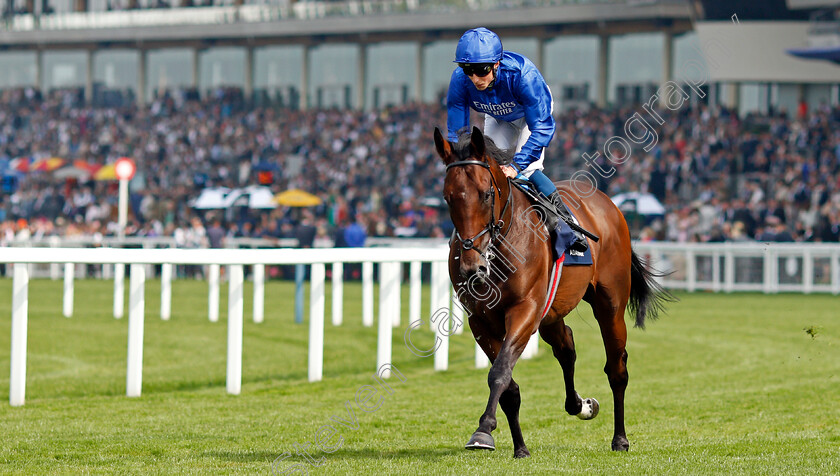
(772, 177)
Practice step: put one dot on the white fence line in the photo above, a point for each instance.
(20, 316)
(367, 294)
(388, 289)
(236, 305)
(759, 267)
(136, 317)
(259, 293)
(166, 291)
(337, 293)
(390, 269)
(119, 293)
(724, 267)
(68, 289)
(316, 323)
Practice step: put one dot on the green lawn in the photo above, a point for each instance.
(723, 384)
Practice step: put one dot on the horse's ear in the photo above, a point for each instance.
(444, 148)
(477, 142)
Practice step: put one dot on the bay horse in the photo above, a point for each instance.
(499, 263)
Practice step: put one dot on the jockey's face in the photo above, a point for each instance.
(483, 82)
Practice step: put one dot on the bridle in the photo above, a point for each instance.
(494, 226)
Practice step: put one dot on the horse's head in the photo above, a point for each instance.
(473, 190)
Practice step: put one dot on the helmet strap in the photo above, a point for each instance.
(493, 83)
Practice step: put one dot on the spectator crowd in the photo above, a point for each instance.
(721, 177)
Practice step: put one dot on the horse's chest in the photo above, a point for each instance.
(486, 299)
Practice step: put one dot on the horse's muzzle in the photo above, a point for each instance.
(477, 269)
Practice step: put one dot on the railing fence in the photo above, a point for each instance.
(390, 263)
(727, 267)
(760, 267)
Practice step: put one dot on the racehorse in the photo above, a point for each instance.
(499, 264)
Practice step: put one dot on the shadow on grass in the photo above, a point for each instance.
(270, 456)
(267, 456)
(413, 453)
(297, 377)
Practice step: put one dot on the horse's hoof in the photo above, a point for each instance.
(522, 453)
(481, 441)
(589, 409)
(620, 443)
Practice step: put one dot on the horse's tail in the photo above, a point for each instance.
(647, 297)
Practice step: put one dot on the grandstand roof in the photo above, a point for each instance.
(259, 24)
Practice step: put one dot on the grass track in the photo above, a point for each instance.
(724, 384)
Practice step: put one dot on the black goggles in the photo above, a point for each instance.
(479, 69)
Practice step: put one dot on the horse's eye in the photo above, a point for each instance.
(488, 195)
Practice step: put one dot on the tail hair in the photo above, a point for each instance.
(647, 297)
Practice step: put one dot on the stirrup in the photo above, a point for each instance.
(580, 245)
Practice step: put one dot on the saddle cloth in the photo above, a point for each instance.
(562, 237)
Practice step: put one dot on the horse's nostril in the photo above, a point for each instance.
(468, 271)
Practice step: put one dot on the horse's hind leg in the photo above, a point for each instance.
(559, 336)
(610, 316)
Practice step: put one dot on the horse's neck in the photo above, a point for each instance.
(518, 197)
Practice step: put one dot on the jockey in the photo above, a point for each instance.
(517, 104)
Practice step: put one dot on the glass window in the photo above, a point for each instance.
(17, 69)
(169, 68)
(277, 74)
(116, 69)
(635, 61)
(332, 77)
(222, 67)
(391, 73)
(571, 70)
(64, 69)
(438, 65)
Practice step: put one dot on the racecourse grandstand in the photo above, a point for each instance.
(340, 98)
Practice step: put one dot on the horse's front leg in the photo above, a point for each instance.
(509, 400)
(500, 380)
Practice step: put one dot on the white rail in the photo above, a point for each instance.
(390, 279)
(759, 267)
(727, 267)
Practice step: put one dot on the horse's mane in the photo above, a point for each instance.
(462, 148)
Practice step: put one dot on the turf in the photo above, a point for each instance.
(724, 384)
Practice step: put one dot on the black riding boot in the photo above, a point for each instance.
(549, 212)
(580, 244)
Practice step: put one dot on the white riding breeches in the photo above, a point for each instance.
(508, 135)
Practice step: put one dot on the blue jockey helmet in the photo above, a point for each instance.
(479, 45)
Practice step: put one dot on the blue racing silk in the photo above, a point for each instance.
(519, 91)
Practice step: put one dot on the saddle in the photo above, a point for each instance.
(563, 236)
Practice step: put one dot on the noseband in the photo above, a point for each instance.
(494, 227)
